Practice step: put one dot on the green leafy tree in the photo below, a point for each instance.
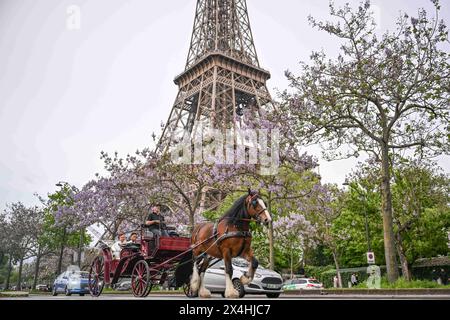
(57, 232)
(361, 217)
(421, 212)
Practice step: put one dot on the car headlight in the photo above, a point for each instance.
(258, 275)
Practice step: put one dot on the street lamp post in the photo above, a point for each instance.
(366, 218)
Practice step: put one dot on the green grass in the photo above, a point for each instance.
(13, 294)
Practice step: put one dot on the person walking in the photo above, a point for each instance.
(443, 276)
(336, 282)
(353, 280)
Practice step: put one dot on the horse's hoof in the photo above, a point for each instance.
(204, 293)
(245, 280)
(232, 294)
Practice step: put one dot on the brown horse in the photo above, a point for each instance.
(230, 237)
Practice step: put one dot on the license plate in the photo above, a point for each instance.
(272, 286)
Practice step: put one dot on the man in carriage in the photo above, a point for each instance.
(155, 222)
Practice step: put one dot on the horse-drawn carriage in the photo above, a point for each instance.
(148, 262)
(154, 259)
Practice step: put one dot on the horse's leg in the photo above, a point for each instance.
(230, 291)
(203, 292)
(195, 280)
(248, 276)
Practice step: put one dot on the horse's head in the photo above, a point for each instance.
(256, 208)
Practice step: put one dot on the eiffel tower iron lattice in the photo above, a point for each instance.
(222, 79)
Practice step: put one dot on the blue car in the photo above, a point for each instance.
(71, 282)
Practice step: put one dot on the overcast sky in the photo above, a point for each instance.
(66, 95)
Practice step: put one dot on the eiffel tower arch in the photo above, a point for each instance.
(222, 79)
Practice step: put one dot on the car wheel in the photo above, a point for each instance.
(239, 287)
(54, 292)
(272, 295)
(67, 292)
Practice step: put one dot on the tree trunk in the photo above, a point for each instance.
(292, 262)
(61, 253)
(338, 270)
(386, 208)
(36, 270)
(19, 280)
(80, 248)
(271, 247)
(191, 221)
(271, 243)
(403, 260)
(8, 276)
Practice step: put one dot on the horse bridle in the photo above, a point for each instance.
(258, 215)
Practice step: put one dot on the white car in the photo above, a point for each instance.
(302, 284)
(123, 286)
(266, 281)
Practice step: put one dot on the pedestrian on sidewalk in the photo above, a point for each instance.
(354, 280)
(443, 276)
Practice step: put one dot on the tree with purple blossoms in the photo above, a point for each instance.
(294, 233)
(325, 208)
(22, 227)
(379, 96)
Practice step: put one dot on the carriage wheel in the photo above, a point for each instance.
(140, 280)
(96, 277)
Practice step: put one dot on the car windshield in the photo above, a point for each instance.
(314, 281)
(300, 281)
(240, 263)
(82, 275)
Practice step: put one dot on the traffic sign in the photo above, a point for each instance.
(370, 258)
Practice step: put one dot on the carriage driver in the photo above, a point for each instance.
(155, 221)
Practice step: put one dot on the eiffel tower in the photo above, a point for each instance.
(222, 79)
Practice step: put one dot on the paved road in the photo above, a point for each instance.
(247, 297)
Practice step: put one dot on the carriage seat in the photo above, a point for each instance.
(134, 247)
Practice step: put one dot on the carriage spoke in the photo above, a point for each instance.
(140, 279)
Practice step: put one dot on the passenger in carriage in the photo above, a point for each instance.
(118, 245)
(133, 238)
(155, 222)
